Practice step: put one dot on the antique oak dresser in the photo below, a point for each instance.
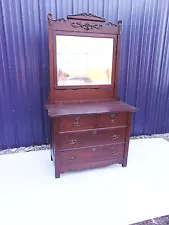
(89, 124)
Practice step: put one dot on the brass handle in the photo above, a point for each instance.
(113, 152)
(93, 149)
(112, 115)
(76, 124)
(95, 132)
(115, 136)
(72, 142)
(112, 121)
(72, 157)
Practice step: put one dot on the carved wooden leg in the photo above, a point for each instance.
(124, 163)
(57, 174)
(57, 167)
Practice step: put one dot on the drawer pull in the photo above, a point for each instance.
(115, 136)
(113, 152)
(77, 117)
(72, 157)
(76, 124)
(112, 121)
(95, 132)
(93, 149)
(72, 142)
(112, 115)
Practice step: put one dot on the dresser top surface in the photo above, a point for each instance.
(93, 107)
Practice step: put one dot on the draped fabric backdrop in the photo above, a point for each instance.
(24, 67)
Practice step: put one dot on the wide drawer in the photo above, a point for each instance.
(78, 122)
(112, 119)
(94, 137)
(92, 154)
(76, 167)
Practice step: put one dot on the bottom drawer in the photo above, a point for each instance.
(92, 154)
(98, 164)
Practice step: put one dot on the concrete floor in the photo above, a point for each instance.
(29, 193)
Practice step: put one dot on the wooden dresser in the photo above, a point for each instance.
(90, 126)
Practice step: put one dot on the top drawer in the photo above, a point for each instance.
(112, 119)
(78, 122)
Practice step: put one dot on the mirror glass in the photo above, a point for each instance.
(84, 60)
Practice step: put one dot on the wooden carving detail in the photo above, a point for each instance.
(86, 26)
(62, 19)
(86, 16)
(110, 24)
(89, 15)
(50, 19)
(120, 25)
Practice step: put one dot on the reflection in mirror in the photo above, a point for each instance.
(84, 60)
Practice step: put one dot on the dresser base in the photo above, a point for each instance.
(89, 135)
(93, 165)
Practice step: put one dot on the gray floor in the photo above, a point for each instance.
(164, 220)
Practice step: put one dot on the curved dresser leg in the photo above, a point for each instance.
(57, 174)
(51, 157)
(124, 164)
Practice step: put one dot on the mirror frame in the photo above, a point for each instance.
(85, 86)
(83, 25)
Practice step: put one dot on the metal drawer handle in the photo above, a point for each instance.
(93, 149)
(76, 124)
(95, 132)
(72, 142)
(113, 152)
(112, 115)
(112, 121)
(115, 136)
(72, 157)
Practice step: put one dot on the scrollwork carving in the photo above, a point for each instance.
(50, 19)
(110, 24)
(86, 26)
(86, 15)
(89, 15)
(62, 19)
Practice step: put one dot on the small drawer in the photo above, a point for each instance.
(78, 122)
(92, 154)
(112, 120)
(94, 137)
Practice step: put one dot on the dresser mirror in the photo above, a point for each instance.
(83, 61)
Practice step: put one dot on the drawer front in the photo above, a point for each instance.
(92, 154)
(80, 139)
(112, 120)
(78, 122)
(76, 167)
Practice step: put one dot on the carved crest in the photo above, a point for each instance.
(86, 26)
(86, 21)
(86, 16)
